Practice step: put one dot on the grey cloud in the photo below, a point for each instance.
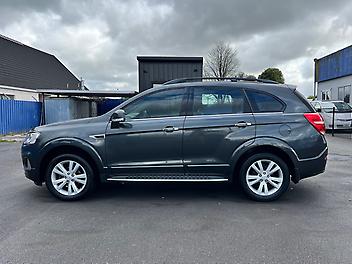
(100, 40)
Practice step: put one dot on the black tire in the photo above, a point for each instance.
(279, 192)
(90, 183)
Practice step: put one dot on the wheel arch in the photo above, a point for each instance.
(71, 146)
(265, 145)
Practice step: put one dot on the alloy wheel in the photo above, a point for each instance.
(68, 177)
(264, 177)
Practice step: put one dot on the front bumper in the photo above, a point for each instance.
(31, 170)
(310, 167)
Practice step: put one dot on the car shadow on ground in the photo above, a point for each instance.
(180, 192)
(193, 192)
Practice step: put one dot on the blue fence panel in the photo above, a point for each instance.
(18, 116)
(107, 105)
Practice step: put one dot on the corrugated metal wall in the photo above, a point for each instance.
(18, 116)
(335, 65)
(64, 109)
(157, 72)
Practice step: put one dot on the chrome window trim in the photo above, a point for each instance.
(213, 115)
(220, 115)
(153, 118)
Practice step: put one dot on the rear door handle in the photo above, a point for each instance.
(243, 124)
(170, 129)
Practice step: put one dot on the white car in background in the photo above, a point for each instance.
(343, 113)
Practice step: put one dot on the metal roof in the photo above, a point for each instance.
(169, 58)
(26, 67)
(88, 93)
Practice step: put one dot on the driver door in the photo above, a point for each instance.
(149, 142)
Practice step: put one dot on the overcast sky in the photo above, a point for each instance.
(99, 40)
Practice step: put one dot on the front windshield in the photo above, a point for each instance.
(342, 107)
(339, 107)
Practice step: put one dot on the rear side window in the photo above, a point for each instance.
(219, 100)
(263, 102)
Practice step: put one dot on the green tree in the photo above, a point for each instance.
(273, 74)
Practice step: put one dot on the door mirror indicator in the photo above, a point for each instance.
(118, 116)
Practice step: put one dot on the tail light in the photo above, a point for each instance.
(317, 121)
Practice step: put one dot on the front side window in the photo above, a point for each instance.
(219, 100)
(263, 102)
(327, 107)
(166, 103)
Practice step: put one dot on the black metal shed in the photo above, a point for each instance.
(155, 70)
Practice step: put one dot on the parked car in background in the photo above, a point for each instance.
(343, 113)
(258, 132)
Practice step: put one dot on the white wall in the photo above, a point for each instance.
(20, 93)
(333, 85)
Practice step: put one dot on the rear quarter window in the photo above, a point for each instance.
(300, 104)
(264, 102)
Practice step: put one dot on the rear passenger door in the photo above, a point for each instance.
(219, 120)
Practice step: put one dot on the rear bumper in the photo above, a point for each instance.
(310, 167)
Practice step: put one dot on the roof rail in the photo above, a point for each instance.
(231, 79)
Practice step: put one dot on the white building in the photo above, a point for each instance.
(24, 70)
(333, 76)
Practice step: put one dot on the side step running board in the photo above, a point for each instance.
(167, 180)
(158, 178)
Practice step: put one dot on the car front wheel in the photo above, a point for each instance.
(264, 177)
(69, 177)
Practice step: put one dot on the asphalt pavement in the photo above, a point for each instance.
(178, 223)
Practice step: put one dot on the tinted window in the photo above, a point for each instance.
(218, 100)
(159, 104)
(263, 102)
(342, 107)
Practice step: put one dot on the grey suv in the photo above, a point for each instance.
(257, 133)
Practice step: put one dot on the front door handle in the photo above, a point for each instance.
(170, 129)
(243, 124)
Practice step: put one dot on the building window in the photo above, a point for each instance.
(7, 97)
(325, 95)
(344, 93)
(347, 97)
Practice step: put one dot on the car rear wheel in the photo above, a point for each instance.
(69, 177)
(264, 177)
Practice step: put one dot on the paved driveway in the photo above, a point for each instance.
(183, 223)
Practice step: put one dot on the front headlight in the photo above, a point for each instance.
(31, 137)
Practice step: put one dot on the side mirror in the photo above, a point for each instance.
(118, 116)
(318, 110)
